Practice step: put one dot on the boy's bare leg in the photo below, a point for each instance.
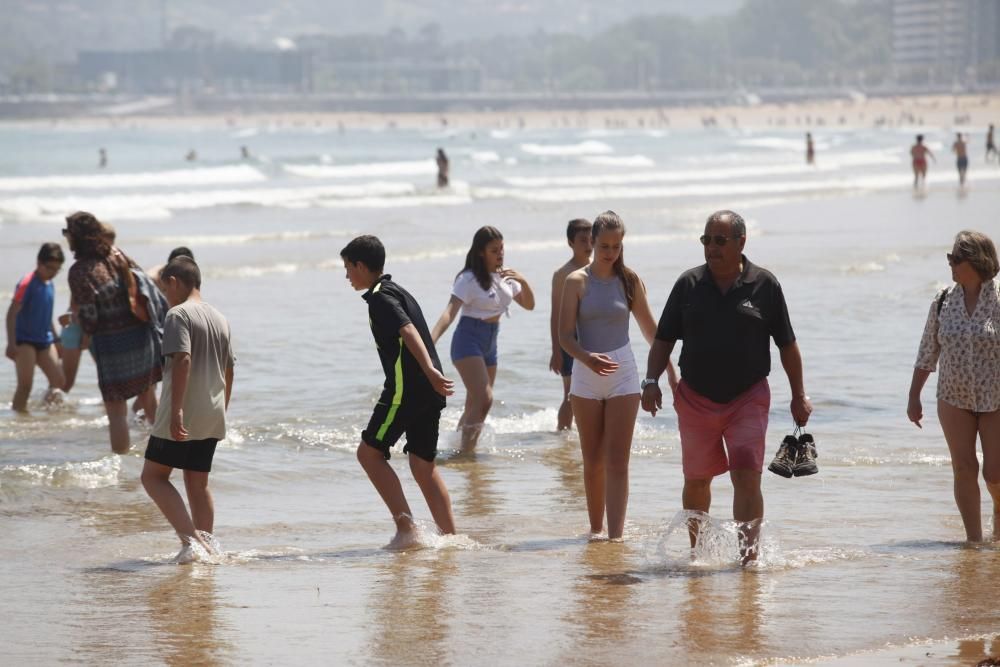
(435, 493)
(49, 363)
(565, 420)
(118, 426)
(385, 481)
(156, 481)
(200, 499)
(25, 364)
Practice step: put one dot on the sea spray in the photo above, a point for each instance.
(719, 543)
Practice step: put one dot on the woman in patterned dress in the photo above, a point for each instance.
(963, 334)
(123, 346)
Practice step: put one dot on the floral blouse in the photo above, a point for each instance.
(968, 348)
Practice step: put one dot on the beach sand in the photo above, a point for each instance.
(960, 111)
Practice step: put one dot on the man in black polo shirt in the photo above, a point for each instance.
(726, 311)
(413, 395)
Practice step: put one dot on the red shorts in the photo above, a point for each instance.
(705, 425)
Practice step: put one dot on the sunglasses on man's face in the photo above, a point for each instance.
(719, 240)
(954, 259)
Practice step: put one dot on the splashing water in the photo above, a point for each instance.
(426, 535)
(718, 543)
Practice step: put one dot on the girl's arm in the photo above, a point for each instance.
(525, 298)
(447, 317)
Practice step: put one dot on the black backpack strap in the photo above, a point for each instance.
(940, 300)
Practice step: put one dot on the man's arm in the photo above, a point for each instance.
(658, 361)
(229, 384)
(791, 361)
(12, 312)
(180, 372)
(413, 342)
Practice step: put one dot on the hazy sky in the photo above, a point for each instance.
(52, 31)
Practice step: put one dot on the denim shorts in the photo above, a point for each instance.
(475, 338)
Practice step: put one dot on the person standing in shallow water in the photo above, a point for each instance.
(961, 157)
(582, 245)
(919, 153)
(413, 396)
(961, 336)
(191, 416)
(443, 168)
(124, 347)
(726, 311)
(604, 390)
(483, 291)
(810, 149)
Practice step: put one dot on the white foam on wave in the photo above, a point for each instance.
(153, 206)
(727, 188)
(696, 176)
(619, 160)
(238, 239)
(589, 147)
(253, 271)
(485, 157)
(775, 143)
(411, 168)
(85, 474)
(175, 178)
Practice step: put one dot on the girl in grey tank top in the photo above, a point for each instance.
(602, 317)
(604, 389)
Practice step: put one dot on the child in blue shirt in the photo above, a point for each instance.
(30, 329)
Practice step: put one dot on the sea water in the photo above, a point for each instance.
(864, 555)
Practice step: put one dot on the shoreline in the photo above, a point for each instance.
(974, 112)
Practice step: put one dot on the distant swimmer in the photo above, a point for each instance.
(191, 155)
(244, 152)
(102, 160)
(582, 245)
(919, 152)
(962, 157)
(991, 147)
(810, 149)
(443, 168)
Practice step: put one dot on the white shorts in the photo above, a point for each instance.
(585, 383)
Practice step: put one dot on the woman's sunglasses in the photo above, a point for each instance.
(955, 259)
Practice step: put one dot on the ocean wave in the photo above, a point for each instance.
(180, 177)
(83, 474)
(689, 176)
(412, 168)
(149, 206)
(485, 157)
(727, 188)
(237, 239)
(589, 147)
(619, 161)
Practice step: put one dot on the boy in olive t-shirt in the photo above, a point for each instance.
(191, 417)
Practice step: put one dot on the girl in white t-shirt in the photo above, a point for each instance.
(483, 290)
